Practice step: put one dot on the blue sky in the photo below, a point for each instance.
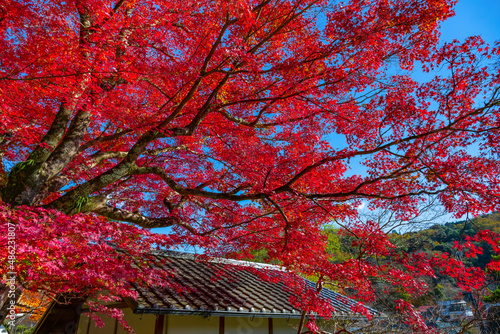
(473, 17)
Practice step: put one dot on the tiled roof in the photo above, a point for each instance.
(227, 287)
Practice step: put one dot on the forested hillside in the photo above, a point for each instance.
(438, 238)
(442, 238)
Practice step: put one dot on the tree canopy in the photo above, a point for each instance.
(237, 125)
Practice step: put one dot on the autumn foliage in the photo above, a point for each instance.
(237, 125)
(34, 304)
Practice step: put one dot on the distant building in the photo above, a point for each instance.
(455, 310)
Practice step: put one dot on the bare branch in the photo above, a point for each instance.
(102, 139)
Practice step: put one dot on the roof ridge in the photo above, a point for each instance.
(194, 256)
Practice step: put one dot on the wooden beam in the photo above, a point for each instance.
(221, 325)
(160, 323)
(270, 325)
(88, 326)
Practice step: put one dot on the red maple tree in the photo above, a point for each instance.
(235, 123)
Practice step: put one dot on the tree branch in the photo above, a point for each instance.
(194, 191)
(101, 139)
(69, 147)
(134, 217)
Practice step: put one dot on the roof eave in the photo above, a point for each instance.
(219, 313)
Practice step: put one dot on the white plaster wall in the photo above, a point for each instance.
(282, 326)
(144, 324)
(246, 325)
(109, 325)
(178, 324)
(191, 324)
